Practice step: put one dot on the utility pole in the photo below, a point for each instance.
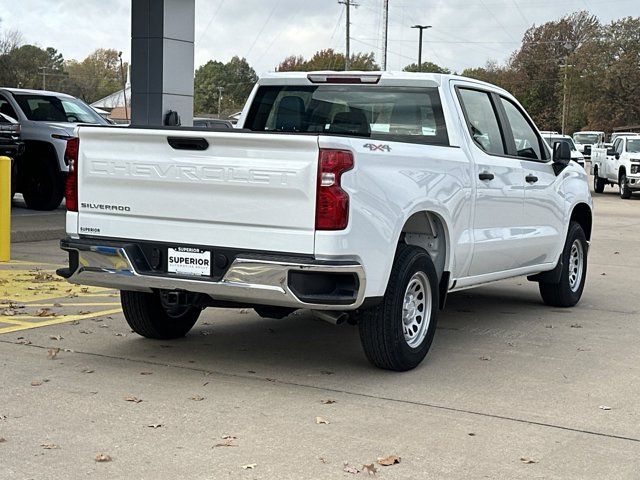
(124, 87)
(564, 94)
(220, 90)
(348, 4)
(421, 28)
(44, 77)
(386, 34)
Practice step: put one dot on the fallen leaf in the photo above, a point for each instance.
(132, 399)
(23, 342)
(84, 290)
(527, 460)
(250, 466)
(87, 370)
(56, 337)
(86, 332)
(326, 372)
(155, 425)
(388, 460)
(604, 407)
(576, 325)
(52, 353)
(228, 442)
(197, 398)
(8, 312)
(146, 373)
(36, 383)
(322, 459)
(45, 312)
(322, 421)
(369, 468)
(101, 457)
(58, 305)
(486, 359)
(49, 446)
(328, 402)
(84, 312)
(118, 335)
(2, 439)
(471, 434)
(350, 468)
(616, 253)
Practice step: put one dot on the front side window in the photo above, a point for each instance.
(482, 120)
(47, 108)
(7, 109)
(527, 142)
(620, 146)
(392, 113)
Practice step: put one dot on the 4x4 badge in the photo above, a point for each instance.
(377, 147)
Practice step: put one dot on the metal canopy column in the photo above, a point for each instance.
(162, 36)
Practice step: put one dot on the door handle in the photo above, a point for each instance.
(531, 178)
(188, 143)
(485, 176)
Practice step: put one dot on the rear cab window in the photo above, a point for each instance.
(412, 115)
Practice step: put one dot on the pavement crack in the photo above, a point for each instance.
(348, 392)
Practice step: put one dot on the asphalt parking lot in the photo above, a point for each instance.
(511, 388)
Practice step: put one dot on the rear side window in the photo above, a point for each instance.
(390, 113)
(482, 120)
(527, 142)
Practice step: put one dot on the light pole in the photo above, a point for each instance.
(421, 28)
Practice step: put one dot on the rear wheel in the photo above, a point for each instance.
(149, 316)
(598, 183)
(397, 334)
(625, 191)
(568, 290)
(42, 184)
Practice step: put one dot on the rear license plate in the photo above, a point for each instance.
(189, 261)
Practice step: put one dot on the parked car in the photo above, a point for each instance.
(11, 145)
(211, 123)
(585, 141)
(618, 165)
(47, 120)
(366, 197)
(622, 134)
(576, 156)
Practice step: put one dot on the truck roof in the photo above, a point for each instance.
(35, 92)
(589, 132)
(387, 77)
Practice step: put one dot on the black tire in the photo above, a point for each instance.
(598, 183)
(147, 316)
(42, 185)
(566, 293)
(381, 327)
(625, 191)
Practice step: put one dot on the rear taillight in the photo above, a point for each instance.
(332, 202)
(71, 187)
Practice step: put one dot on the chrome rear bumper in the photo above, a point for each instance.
(249, 279)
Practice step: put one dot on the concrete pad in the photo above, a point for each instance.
(526, 380)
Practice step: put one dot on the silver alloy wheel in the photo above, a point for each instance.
(416, 310)
(576, 265)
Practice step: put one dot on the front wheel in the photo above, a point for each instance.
(568, 290)
(397, 334)
(625, 191)
(598, 183)
(149, 316)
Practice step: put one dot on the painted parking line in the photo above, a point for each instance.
(35, 297)
(24, 325)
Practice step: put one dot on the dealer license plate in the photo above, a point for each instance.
(189, 261)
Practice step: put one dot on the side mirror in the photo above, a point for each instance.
(561, 156)
(610, 152)
(617, 155)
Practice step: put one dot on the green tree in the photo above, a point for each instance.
(25, 65)
(426, 67)
(96, 76)
(331, 60)
(236, 78)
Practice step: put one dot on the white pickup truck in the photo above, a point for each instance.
(617, 165)
(361, 196)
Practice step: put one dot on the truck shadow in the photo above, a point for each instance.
(241, 343)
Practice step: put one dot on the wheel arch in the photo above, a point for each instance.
(583, 215)
(428, 229)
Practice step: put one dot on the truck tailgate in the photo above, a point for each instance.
(245, 190)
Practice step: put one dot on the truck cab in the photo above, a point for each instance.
(586, 141)
(618, 165)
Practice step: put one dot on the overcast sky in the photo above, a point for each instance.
(464, 34)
